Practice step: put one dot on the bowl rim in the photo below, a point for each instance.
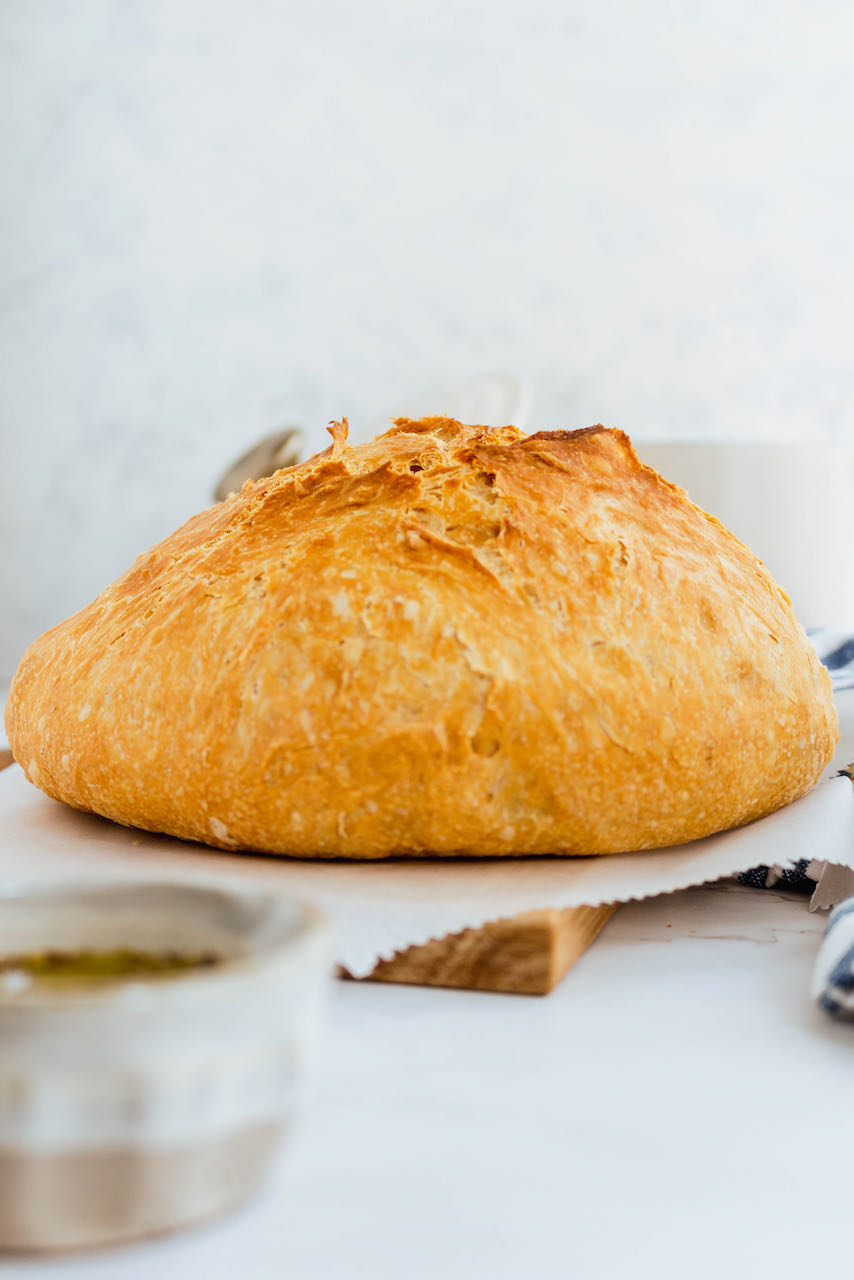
(141, 993)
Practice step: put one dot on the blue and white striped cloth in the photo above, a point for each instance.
(833, 975)
(836, 650)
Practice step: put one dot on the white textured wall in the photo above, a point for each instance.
(221, 214)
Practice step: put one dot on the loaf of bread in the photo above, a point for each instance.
(453, 640)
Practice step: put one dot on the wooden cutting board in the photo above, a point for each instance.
(528, 954)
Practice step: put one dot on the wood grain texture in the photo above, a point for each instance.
(527, 955)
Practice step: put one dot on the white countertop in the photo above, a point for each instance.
(675, 1108)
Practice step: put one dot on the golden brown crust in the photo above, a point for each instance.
(450, 640)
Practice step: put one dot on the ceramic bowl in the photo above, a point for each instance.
(136, 1106)
(789, 501)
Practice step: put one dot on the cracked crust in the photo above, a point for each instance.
(453, 640)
